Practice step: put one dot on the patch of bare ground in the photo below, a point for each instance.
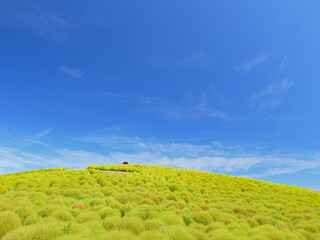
(108, 172)
(78, 169)
(115, 172)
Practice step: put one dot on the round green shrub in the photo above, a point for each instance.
(261, 219)
(153, 224)
(153, 235)
(201, 217)
(179, 233)
(120, 235)
(8, 222)
(39, 202)
(132, 224)
(223, 234)
(108, 211)
(31, 219)
(85, 217)
(62, 215)
(112, 222)
(172, 219)
(47, 210)
(198, 234)
(43, 231)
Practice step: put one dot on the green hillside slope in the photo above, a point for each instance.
(151, 202)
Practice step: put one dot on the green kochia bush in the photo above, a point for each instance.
(108, 211)
(201, 217)
(156, 235)
(179, 233)
(120, 235)
(153, 224)
(151, 202)
(24, 212)
(172, 219)
(8, 222)
(62, 215)
(44, 231)
(88, 217)
(112, 222)
(132, 224)
(47, 210)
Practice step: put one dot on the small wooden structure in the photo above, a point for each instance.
(125, 163)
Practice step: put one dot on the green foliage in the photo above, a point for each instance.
(111, 222)
(201, 217)
(42, 231)
(108, 211)
(120, 235)
(154, 235)
(198, 234)
(47, 210)
(62, 215)
(224, 234)
(88, 217)
(179, 233)
(120, 168)
(8, 221)
(151, 202)
(153, 224)
(172, 219)
(132, 224)
(24, 213)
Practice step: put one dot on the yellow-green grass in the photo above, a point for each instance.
(152, 202)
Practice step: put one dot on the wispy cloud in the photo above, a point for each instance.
(216, 157)
(198, 57)
(248, 65)
(36, 138)
(117, 142)
(32, 15)
(189, 107)
(222, 157)
(75, 73)
(287, 166)
(272, 96)
(283, 64)
(14, 159)
(21, 140)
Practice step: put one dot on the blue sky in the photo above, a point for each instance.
(224, 86)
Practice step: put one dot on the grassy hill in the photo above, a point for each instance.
(152, 202)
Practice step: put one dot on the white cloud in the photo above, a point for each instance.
(75, 73)
(79, 159)
(214, 157)
(248, 65)
(148, 145)
(24, 141)
(198, 57)
(283, 64)
(14, 160)
(36, 138)
(288, 165)
(32, 15)
(190, 107)
(225, 158)
(222, 157)
(272, 96)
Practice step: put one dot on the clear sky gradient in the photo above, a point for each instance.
(223, 86)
